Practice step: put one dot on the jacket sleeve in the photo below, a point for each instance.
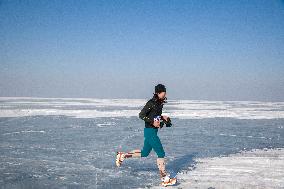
(143, 114)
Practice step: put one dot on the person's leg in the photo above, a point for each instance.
(121, 156)
(146, 148)
(162, 167)
(148, 133)
(158, 148)
(133, 154)
(140, 153)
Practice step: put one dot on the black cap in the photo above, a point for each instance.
(160, 88)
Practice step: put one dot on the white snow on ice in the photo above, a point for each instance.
(258, 168)
(105, 124)
(20, 132)
(183, 109)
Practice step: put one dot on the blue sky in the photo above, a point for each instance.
(210, 50)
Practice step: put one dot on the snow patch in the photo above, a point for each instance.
(27, 131)
(105, 124)
(182, 109)
(258, 168)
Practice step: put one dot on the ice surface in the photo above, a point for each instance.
(71, 143)
(183, 109)
(247, 169)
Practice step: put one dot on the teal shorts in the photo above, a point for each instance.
(152, 141)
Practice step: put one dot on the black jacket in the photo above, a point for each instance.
(152, 109)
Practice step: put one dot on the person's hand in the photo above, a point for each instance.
(156, 124)
(166, 118)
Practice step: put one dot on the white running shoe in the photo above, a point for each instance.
(167, 181)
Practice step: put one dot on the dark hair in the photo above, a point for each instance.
(160, 88)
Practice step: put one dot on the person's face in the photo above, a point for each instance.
(162, 95)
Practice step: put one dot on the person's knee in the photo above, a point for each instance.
(145, 153)
(158, 147)
(161, 153)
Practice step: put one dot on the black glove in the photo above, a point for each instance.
(167, 122)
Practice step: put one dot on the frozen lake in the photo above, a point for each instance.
(71, 143)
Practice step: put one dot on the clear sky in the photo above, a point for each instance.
(210, 50)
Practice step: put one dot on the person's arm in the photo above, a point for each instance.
(146, 109)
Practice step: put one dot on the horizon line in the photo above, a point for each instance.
(173, 99)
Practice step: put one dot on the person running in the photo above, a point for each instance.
(152, 116)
